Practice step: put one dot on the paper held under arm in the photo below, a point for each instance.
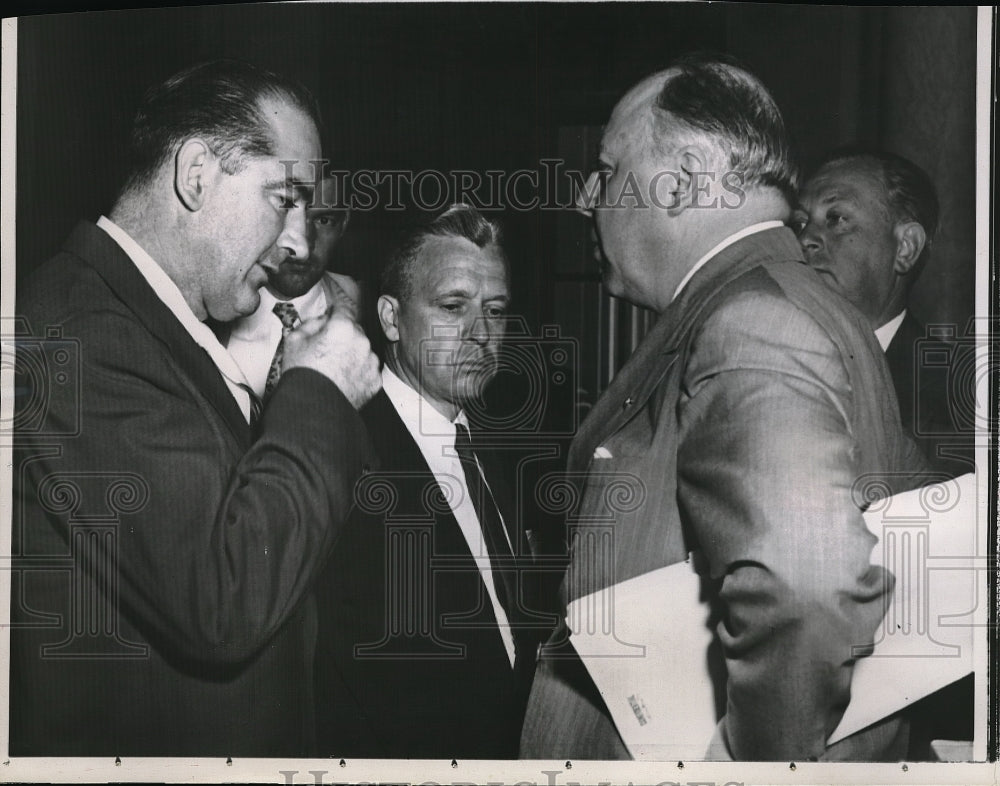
(928, 540)
(662, 675)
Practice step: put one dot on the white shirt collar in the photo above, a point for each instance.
(887, 332)
(167, 291)
(434, 435)
(415, 410)
(750, 230)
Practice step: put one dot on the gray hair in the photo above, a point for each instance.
(715, 96)
(461, 221)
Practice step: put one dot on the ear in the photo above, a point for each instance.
(693, 177)
(191, 164)
(388, 316)
(910, 242)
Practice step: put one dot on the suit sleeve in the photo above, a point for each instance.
(221, 546)
(766, 463)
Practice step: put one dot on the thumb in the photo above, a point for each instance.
(310, 327)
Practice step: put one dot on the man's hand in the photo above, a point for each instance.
(337, 348)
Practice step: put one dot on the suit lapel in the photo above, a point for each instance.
(97, 249)
(652, 360)
(626, 394)
(399, 453)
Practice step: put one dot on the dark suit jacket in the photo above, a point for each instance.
(409, 663)
(163, 554)
(739, 429)
(933, 381)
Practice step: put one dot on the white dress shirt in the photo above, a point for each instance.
(750, 230)
(887, 332)
(167, 291)
(435, 436)
(254, 339)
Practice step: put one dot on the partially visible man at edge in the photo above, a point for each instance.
(866, 221)
(743, 420)
(183, 626)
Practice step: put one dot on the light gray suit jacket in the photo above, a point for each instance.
(752, 425)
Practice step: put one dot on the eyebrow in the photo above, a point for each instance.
(467, 294)
(840, 196)
(302, 189)
(323, 210)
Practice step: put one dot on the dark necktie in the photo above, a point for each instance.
(501, 558)
(255, 406)
(287, 314)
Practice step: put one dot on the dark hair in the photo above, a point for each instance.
(910, 193)
(715, 95)
(461, 220)
(218, 101)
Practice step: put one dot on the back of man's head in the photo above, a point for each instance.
(461, 221)
(710, 97)
(218, 102)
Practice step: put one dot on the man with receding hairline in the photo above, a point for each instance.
(167, 546)
(739, 425)
(422, 648)
(866, 221)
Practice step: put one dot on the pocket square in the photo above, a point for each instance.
(602, 453)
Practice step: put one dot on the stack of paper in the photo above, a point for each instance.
(659, 669)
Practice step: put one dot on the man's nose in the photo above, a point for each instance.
(294, 237)
(809, 240)
(482, 331)
(587, 196)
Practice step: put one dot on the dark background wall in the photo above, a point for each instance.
(501, 87)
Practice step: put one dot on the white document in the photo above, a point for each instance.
(927, 540)
(661, 674)
(651, 667)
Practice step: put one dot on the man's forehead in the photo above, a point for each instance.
(845, 180)
(294, 137)
(444, 260)
(329, 196)
(631, 111)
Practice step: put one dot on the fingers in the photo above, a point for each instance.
(337, 348)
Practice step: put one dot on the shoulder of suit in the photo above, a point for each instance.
(65, 288)
(753, 323)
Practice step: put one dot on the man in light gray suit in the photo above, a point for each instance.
(743, 422)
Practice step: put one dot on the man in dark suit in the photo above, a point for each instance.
(423, 649)
(166, 534)
(735, 431)
(866, 221)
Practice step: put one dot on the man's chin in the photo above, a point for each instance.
(242, 308)
(289, 286)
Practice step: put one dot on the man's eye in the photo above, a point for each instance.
(327, 221)
(601, 167)
(495, 312)
(835, 219)
(451, 308)
(797, 224)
